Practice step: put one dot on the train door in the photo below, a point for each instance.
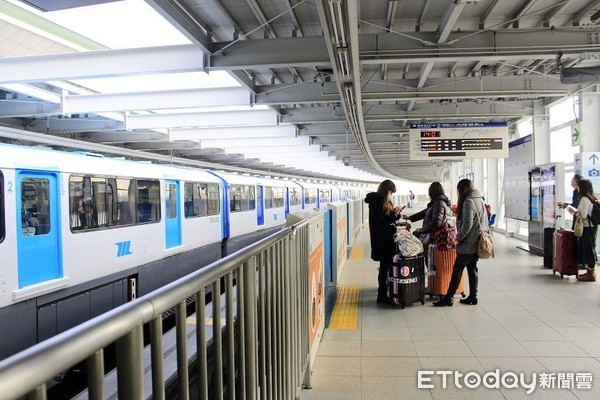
(260, 205)
(38, 233)
(287, 201)
(173, 218)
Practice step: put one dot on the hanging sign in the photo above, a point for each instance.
(458, 140)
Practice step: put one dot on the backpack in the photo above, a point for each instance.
(595, 217)
(408, 245)
(445, 237)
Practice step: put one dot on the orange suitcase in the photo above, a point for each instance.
(443, 261)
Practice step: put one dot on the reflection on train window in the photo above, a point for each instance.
(242, 198)
(324, 196)
(102, 202)
(35, 206)
(295, 197)
(171, 194)
(2, 212)
(273, 197)
(201, 199)
(310, 196)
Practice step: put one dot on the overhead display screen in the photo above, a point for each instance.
(458, 140)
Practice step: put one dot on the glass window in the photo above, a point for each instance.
(311, 196)
(242, 198)
(148, 201)
(324, 195)
(171, 195)
(273, 197)
(2, 211)
(126, 212)
(295, 197)
(201, 199)
(564, 111)
(560, 146)
(35, 206)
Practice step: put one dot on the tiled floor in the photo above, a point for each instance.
(527, 321)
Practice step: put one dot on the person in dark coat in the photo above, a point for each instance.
(433, 216)
(382, 216)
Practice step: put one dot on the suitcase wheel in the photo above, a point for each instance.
(430, 296)
(561, 276)
(463, 295)
(402, 306)
(422, 302)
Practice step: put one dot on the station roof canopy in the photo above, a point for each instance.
(286, 86)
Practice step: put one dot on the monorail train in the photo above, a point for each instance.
(81, 234)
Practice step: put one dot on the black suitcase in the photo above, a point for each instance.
(548, 247)
(406, 280)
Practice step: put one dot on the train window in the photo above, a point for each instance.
(201, 199)
(273, 197)
(125, 201)
(294, 197)
(242, 198)
(2, 212)
(324, 196)
(171, 194)
(35, 206)
(310, 196)
(148, 201)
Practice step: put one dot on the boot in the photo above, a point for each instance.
(473, 282)
(589, 276)
(445, 301)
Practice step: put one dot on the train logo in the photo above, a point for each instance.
(123, 248)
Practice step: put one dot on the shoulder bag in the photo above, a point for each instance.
(485, 246)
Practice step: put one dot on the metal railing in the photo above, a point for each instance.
(261, 351)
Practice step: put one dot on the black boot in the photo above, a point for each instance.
(473, 282)
(382, 297)
(445, 301)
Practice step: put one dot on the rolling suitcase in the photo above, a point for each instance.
(548, 247)
(565, 253)
(442, 263)
(406, 280)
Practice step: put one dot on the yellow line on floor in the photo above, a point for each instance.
(345, 311)
(357, 253)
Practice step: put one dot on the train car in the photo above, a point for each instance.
(82, 234)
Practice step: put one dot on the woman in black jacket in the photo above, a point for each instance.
(382, 215)
(434, 215)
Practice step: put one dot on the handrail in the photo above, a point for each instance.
(263, 270)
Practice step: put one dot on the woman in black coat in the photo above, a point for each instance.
(382, 216)
(434, 215)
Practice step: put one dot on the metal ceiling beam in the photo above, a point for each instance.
(185, 21)
(422, 15)
(238, 132)
(449, 20)
(553, 12)
(514, 21)
(463, 46)
(486, 14)
(582, 13)
(157, 100)
(202, 119)
(103, 63)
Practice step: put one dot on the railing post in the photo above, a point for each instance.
(130, 368)
(182, 360)
(95, 365)
(156, 353)
(249, 273)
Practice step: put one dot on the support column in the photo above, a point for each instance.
(541, 134)
(590, 119)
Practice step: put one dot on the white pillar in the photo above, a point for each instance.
(541, 134)
(590, 119)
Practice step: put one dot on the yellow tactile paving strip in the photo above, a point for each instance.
(357, 253)
(345, 311)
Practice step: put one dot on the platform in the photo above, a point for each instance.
(527, 321)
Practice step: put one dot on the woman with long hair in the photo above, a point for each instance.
(586, 248)
(433, 215)
(471, 220)
(382, 215)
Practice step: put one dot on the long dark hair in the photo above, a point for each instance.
(384, 188)
(435, 190)
(464, 187)
(587, 190)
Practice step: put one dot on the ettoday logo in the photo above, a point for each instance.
(508, 380)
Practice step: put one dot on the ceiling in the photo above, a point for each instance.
(341, 77)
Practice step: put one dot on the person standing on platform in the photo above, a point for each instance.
(576, 196)
(411, 199)
(471, 220)
(433, 216)
(586, 246)
(382, 216)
